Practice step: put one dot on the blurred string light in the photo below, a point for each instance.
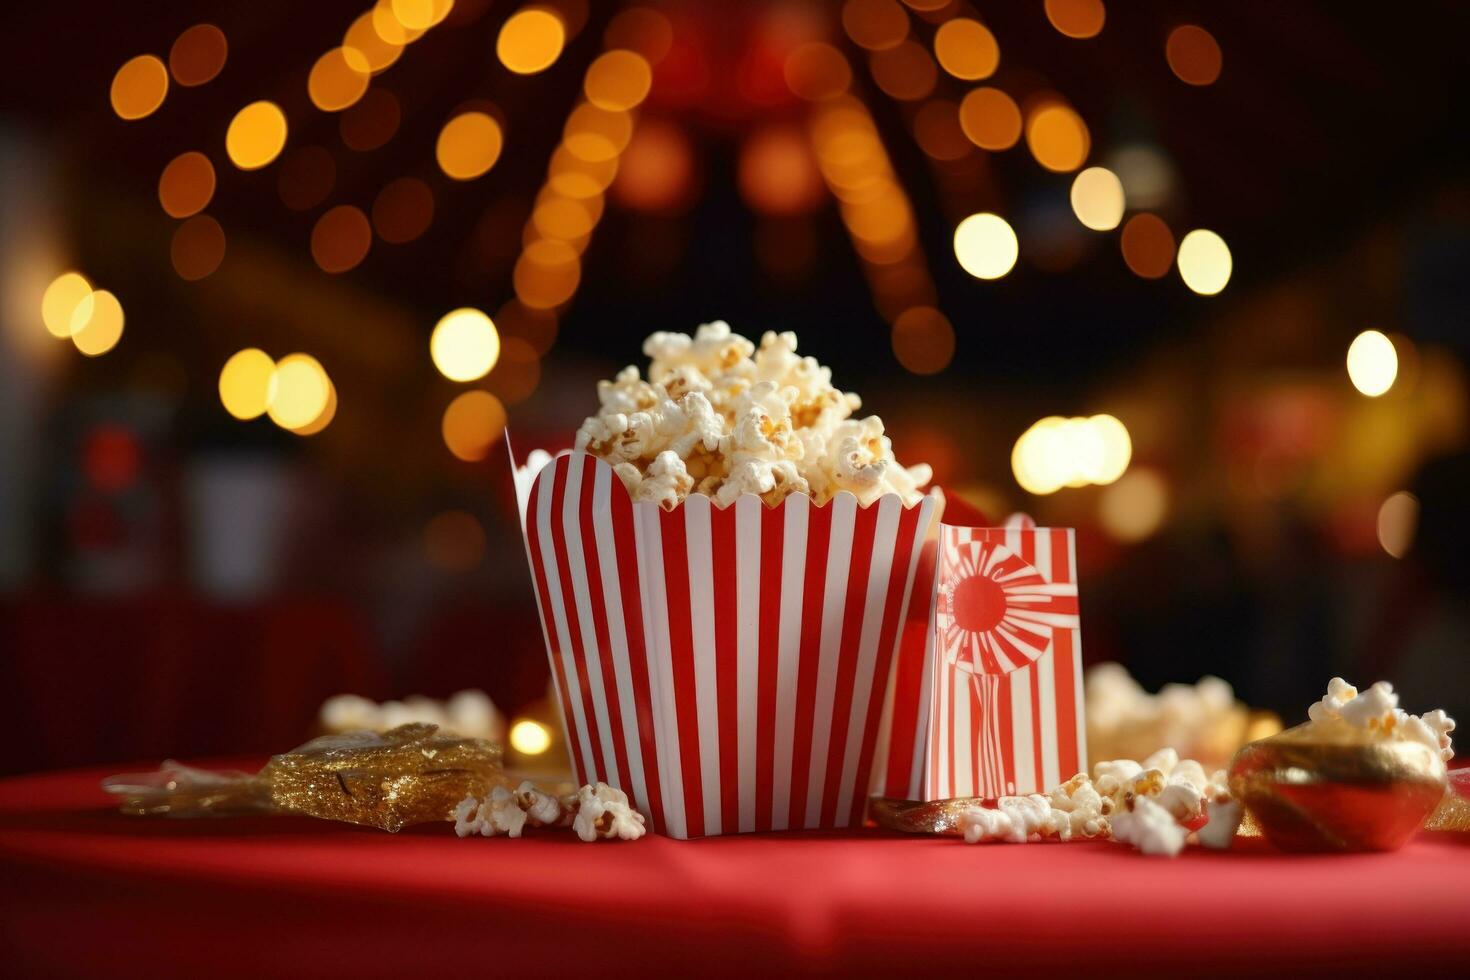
(244, 383)
(1372, 363)
(1057, 136)
(656, 172)
(1193, 55)
(139, 87)
(341, 238)
(986, 246)
(1135, 507)
(923, 340)
(1398, 519)
(335, 82)
(990, 118)
(198, 55)
(197, 248)
(1204, 262)
(1148, 246)
(256, 135)
(618, 80)
(368, 51)
(938, 132)
(1076, 18)
(776, 171)
(530, 40)
(906, 71)
(97, 323)
(468, 146)
(875, 24)
(966, 49)
(817, 72)
(530, 737)
(186, 185)
(1061, 452)
(641, 29)
(60, 302)
(1097, 199)
(472, 423)
(464, 345)
(299, 394)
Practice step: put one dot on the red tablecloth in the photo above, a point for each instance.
(86, 891)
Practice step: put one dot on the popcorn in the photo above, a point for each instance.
(603, 811)
(719, 416)
(1202, 720)
(1223, 821)
(594, 812)
(1377, 709)
(1074, 808)
(500, 813)
(1149, 827)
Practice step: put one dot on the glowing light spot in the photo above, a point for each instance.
(1038, 459)
(875, 24)
(340, 239)
(403, 210)
(640, 29)
(324, 417)
(366, 50)
(472, 423)
(991, 119)
(1076, 18)
(1097, 199)
(464, 345)
(298, 392)
(372, 122)
(656, 172)
(454, 541)
(563, 218)
(986, 246)
(256, 135)
(595, 135)
(923, 340)
(1058, 137)
(1147, 175)
(966, 49)
(905, 71)
(306, 178)
(60, 303)
(1117, 449)
(198, 248)
(198, 55)
(186, 185)
(388, 27)
(530, 737)
(416, 15)
(334, 84)
(776, 172)
(1372, 363)
(1398, 519)
(139, 87)
(245, 383)
(1134, 508)
(938, 132)
(530, 41)
(1058, 452)
(1148, 246)
(571, 176)
(1204, 262)
(1193, 55)
(469, 144)
(547, 274)
(618, 80)
(97, 323)
(817, 72)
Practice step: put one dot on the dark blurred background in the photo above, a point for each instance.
(175, 580)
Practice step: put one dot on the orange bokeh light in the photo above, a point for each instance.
(186, 185)
(1148, 246)
(198, 55)
(905, 71)
(341, 239)
(656, 171)
(1193, 55)
(777, 173)
(198, 247)
(991, 119)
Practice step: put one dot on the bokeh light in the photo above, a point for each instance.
(1148, 246)
(595, 134)
(1057, 137)
(530, 737)
(366, 50)
(372, 121)
(244, 383)
(875, 24)
(403, 210)
(640, 29)
(454, 541)
(306, 177)
(256, 135)
(420, 15)
(1060, 452)
(472, 424)
(547, 273)
(776, 172)
(186, 185)
(1076, 18)
(198, 248)
(817, 72)
(564, 218)
(469, 144)
(571, 176)
(324, 417)
(341, 238)
(298, 392)
(966, 49)
(139, 87)
(530, 41)
(1135, 507)
(1204, 262)
(198, 55)
(536, 327)
(1097, 199)
(986, 246)
(938, 132)
(1193, 55)
(1398, 519)
(1147, 175)
(60, 302)
(334, 83)
(990, 118)
(464, 345)
(905, 71)
(923, 340)
(656, 171)
(618, 80)
(97, 323)
(1372, 363)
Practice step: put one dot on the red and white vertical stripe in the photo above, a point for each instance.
(725, 667)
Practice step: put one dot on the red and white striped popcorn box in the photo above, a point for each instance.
(985, 697)
(725, 667)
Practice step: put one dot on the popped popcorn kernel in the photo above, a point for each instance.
(1377, 709)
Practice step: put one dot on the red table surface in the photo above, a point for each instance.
(87, 891)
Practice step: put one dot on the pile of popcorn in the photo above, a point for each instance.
(1154, 805)
(594, 812)
(1377, 709)
(468, 714)
(720, 417)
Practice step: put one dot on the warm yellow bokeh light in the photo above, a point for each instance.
(1058, 137)
(985, 246)
(464, 345)
(595, 135)
(1135, 507)
(388, 27)
(245, 383)
(198, 55)
(966, 49)
(186, 185)
(1147, 245)
(1193, 55)
(1372, 363)
(571, 176)
(817, 72)
(469, 144)
(335, 83)
(61, 301)
(1117, 449)
(97, 323)
(991, 119)
(324, 417)
(1398, 519)
(1076, 18)
(530, 41)
(1060, 452)
(139, 87)
(565, 218)
(472, 423)
(366, 50)
(256, 135)
(1038, 459)
(618, 80)
(530, 737)
(923, 340)
(875, 24)
(298, 392)
(416, 15)
(1204, 262)
(1097, 199)
(547, 274)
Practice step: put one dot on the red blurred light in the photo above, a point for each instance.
(111, 458)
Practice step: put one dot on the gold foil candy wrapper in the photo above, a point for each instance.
(914, 817)
(1331, 786)
(408, 775)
